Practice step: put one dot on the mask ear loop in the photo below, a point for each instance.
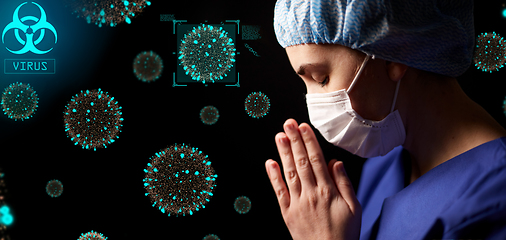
(395, 96)
(359, 72)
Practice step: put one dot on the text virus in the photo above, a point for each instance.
(490, 52)
(19, 101)
(242, 204)
(257, 104)
(92, 236)
(54, 188)
(179, 180)
(207, 53)
(148, 66)
(209, 115)
(92, 119)
(107, 12)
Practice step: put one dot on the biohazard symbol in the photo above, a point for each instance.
(18, 24)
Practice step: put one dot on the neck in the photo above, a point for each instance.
(441, 122)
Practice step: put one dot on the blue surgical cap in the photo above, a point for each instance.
(431, 35)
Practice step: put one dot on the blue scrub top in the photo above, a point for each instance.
(462, 198)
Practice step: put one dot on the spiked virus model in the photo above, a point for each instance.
(490, 52)
(207, 53)
(92, 236)
(211, 237)
(179, 180)
(92, 119)
(19, 101)
(54, 188)
(107, 12)
(209, 115)
(148, 66)
(257, 105)
(242, 205)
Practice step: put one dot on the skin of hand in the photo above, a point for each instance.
(319, 202)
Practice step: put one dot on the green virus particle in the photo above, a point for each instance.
(19, 101)
(209, 115)
(107, 12)
(148, 66)
(490, 52)
(179, 180)
(207, 53)
(92, 236)
(54, 188)
(242, 205)
(211, 237)
(257, 105)
(92, 119)
(6, 217)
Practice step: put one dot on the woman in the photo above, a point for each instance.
(437, 160)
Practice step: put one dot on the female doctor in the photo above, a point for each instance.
(381, 83)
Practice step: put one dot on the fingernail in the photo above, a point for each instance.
(289, 126)
(303, 130)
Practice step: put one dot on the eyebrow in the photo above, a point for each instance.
(302, 67)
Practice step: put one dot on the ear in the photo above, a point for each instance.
(396, 70)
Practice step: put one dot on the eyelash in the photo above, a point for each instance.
(324, 82)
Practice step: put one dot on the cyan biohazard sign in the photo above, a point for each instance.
(29, 43)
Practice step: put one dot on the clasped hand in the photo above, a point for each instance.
(319, 202)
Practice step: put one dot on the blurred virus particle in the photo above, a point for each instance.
(242, 205)
(107, 12)
(92, 236)
(209, 115)
(92, 119)
(490, 52)
(148, 66)
(211, 237)
(6, 217)
(504, 12)
(504, 106)
(257, 104)
(179, 180)
(207, 53)
(19, 101)
(54, 188)
(251, 32)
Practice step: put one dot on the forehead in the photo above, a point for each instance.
(317, 54)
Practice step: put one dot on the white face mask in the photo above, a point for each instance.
(332, 114)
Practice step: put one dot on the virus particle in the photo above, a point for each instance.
(148, 66)
(92, 236)
(251, 32)
(54, 188)
(19, 101)
(107, 12)
(179, 180)
(490, 52)
(257, 104)
(242, 205)
(504, 106)
(5, 216)
(92, 119)
(209, 115)
(207, 53)
(211, 237)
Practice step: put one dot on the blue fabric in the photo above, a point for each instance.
(462, 198)
(431, 35)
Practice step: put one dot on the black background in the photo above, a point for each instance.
(103, 189)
